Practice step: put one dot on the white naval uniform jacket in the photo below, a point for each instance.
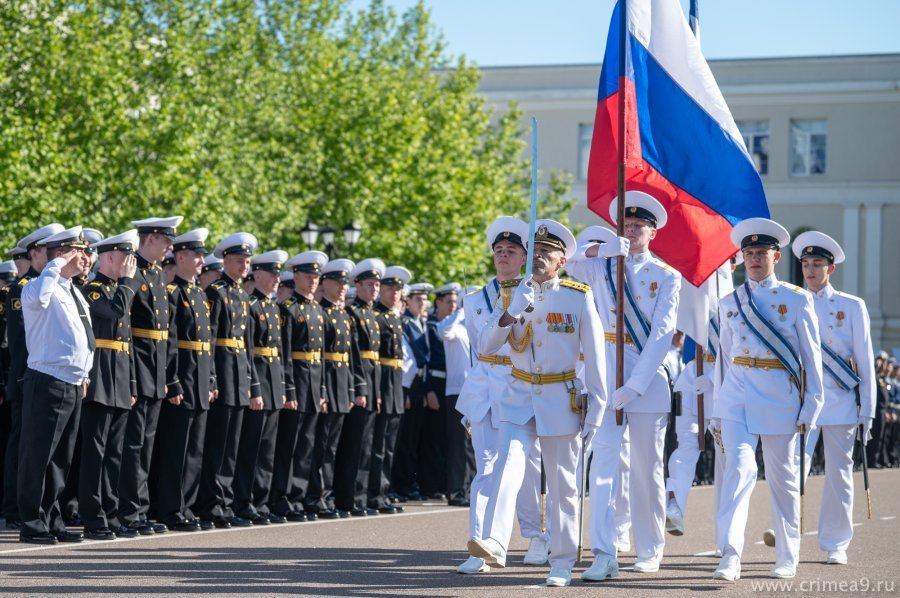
(554, 348)
(655, 288)
(844, 328)
(766, 399)
(486, 382)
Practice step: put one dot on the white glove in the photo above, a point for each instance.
(623, 396)
(703, 385)
(615, 248)
(866, 422)
(803, 420)
(715, 426)
(587, 431)
(521, 299)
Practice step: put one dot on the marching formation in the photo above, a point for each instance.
(158, 387)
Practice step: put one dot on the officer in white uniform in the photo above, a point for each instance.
(487, 381)
(544, 397)
(848, 363)
(651, 309)
(769, 336)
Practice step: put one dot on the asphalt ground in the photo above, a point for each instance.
(415, 554)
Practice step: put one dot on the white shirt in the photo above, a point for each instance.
(55, 336)
(452, 331)
(409, 364)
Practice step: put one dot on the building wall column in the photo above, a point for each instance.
(872, 281)
(850, 271)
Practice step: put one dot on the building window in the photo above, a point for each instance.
(585, 133)
(756, 139)
(808, 142)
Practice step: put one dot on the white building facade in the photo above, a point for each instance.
(824, 133)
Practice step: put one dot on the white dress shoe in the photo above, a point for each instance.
(674, 519)
(538, 551)
(472, 566)
(647, 565)
(488, 549)
(623, 543)
(604, 567)
(559, 578)
(837, 557)
(717, 552)
(784, 571)
(769, 538)
(729, 568)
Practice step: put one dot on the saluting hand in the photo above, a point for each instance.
(129, 267)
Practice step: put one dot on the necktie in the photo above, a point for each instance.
(92, 342)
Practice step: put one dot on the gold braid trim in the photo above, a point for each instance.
(521, 344)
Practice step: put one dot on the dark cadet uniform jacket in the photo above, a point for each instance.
(112, 376)
(338, 361)
(366, 341)
(229, 314)
(190, 370)
(268, 356)
(15, 337)
(150, 328)
(390, 351)
(303, 338)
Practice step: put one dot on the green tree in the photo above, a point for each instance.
(256, 115)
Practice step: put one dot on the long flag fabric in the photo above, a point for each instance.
(682, 145)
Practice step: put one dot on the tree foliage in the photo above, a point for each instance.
(256, 115)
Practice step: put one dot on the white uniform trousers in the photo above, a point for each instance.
(782, 478)
(623, 496)
(647, 484)
(836, 516)
(484, 442)
(560, 455)
(683, 466)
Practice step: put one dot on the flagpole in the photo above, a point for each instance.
(620, 211)
(701, 416)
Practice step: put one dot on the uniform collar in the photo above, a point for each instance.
(638, 258)
(229, 281)
(326, 303)
(182, 282)
(300, 298)
(769, 282)
(260, 295)
(826, 292)
(360, 303)
(103, 278)
(142, 262)
(551, 284)
(381, 307)
(32, 273)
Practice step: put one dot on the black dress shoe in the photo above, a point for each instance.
(388, 510)
(42, 538)
(74, 520)
(141, 527)
(260, 520)
(458, 502)
(438, 496)
(16, 525)
(102, 533)
(310, 516)
(184, 525)
(372, 512)
(328, 514)
(158, 528)
(295, 516)
(343, 514)
(125, 532)
(206, 524)
(222, 523)
(236, 521)
(276, 518)
(414, 495)
(359, 512)
(68, 536)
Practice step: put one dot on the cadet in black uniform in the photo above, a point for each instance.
(18, 360)
(211, 271)
(229, 314)
(256, 453)
(338, 381)
(302, 341)
(390, 408)
(150, 335)
(354, 454)
(7, 277)
(113, 389)
(191, 387)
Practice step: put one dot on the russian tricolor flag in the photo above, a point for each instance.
(681, 143)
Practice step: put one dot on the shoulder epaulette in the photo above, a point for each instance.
(218, 284)
(794, 288)
(578, 286)
(475, 292)
(289, 302)
(93, 283)
(23, 282)
(253, 300)
(171, 287)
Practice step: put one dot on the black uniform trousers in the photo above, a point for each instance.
(223, 433)
(460, 455)
(140, 435)
(320, 495)
(102, 436)
(180, 462)
(289, 440)
(49, 428)
(384, 439)
(301, 465)
(406, 451)
(4, 437)
(68, 502)
(255, 462)
(433, 445)
(11, 463)
(354, 457)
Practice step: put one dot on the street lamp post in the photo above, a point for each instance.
(310, 233)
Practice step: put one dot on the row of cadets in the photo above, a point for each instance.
(479, 399)
(651, 304)
(191, 387)
(544, 398)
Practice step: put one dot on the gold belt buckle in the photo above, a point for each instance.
(752, 362)
(535, 378)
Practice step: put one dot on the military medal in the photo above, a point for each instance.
(653, 287)
(840, 318)
(782, 309)
(570, 323)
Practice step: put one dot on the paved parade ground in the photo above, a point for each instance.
(415, 554)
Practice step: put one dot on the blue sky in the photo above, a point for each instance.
(516, 32)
